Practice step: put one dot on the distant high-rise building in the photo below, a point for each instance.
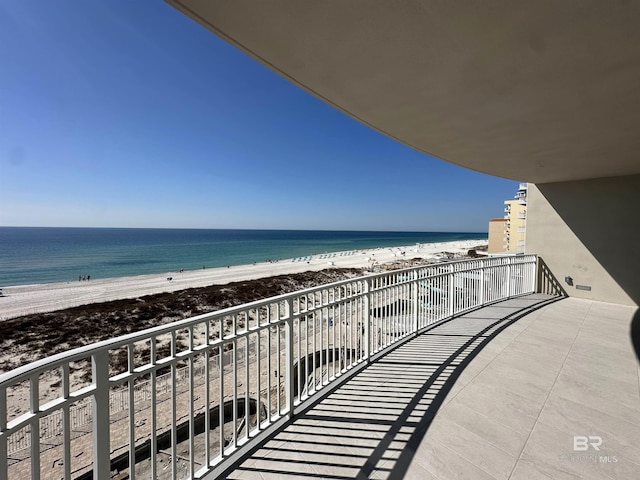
(496, 235)
(508, 235)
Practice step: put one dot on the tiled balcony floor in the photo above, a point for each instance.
(440, 407)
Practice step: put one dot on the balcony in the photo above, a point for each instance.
(521, 195)
(506, 392)
(303, 367)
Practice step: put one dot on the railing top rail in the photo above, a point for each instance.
(26, 371)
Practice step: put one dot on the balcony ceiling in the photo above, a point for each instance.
(538, 91)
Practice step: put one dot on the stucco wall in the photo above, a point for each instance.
(589, 231)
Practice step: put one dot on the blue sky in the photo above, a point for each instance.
(126, 113)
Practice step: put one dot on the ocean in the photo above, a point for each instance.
(30, 255)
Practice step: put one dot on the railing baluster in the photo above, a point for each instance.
(234, 397)
(246, 383)
(366, 318)
(131, 407)
(154, 411)
(192, 414)
(258, 377)
(289, 357)
(305, 381)
(384, 311)
(221, 399)
(414, 303)
(482, 284)
(452, 289)
(4, 434)
(324, 342)
(397, 309)
(66, 424)
(347, 333)
(339, 322)
(312, 370)
(358, 325)
(34, 401)
(174, 408)
(269, 371)
(100, 404)
(508, 276)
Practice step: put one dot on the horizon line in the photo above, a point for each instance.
(244, 228)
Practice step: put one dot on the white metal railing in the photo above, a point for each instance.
(176, 400)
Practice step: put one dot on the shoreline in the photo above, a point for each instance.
(20, 300)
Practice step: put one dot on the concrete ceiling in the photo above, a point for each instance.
(539, 91)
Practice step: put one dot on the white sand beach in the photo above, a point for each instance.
(22, 300)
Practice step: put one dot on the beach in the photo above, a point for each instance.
(22, 300)
(46, 319)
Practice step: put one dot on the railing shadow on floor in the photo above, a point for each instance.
(547, 282)
(358, 432)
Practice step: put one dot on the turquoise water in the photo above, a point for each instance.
(31, 255)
